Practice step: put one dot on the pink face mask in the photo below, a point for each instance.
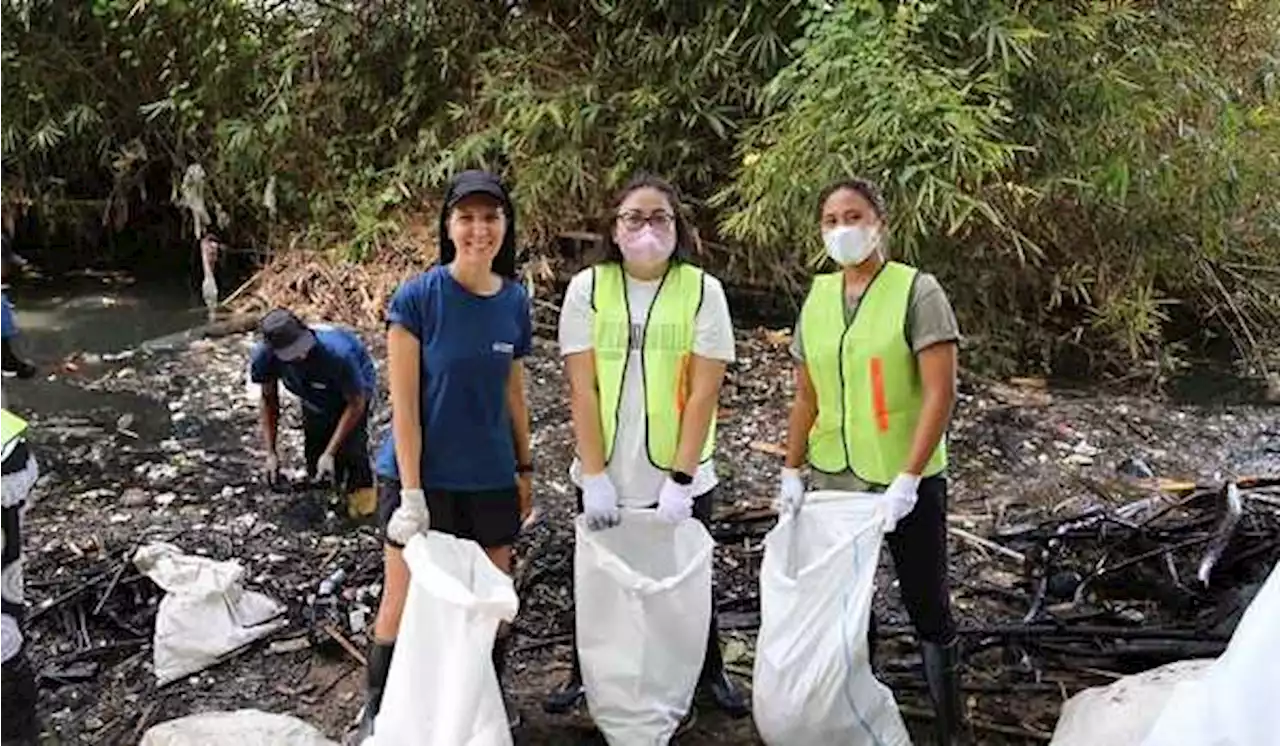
(646, 245)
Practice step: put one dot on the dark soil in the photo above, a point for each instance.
(167, 448)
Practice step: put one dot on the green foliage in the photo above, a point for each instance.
(1094, 182)
(1090, 171)
(583, 95)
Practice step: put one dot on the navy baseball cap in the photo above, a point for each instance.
(286, 335)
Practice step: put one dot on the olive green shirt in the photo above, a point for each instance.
(930, 320)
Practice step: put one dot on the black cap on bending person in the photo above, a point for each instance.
(289, 339)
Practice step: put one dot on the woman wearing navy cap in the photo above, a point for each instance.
(458, 460)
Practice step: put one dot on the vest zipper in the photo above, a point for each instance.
(644, 383)
(844, 435)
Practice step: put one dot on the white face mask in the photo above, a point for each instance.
(850, 245)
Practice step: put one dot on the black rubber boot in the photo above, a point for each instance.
(19, 725)
(375, 683)
(941, 663)
(570, 693)
(714, 681)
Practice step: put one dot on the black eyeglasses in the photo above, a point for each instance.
(634, 220)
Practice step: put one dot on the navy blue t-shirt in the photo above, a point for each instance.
(468, 345)
(338, 367)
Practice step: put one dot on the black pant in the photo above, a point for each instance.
(352, 469)
(18, 723)
(713, 662)
(919, 550)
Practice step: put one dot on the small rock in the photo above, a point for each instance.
(165, 499)
(1135, 467)
(93, 723)
(280, 647)
(134, 498)
(1078, 459)
(1131, 615)
(1084, 449)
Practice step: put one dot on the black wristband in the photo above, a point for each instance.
(524, 468)
(680, 478)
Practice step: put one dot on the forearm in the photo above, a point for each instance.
(695, 423)
(803, 414)
(935, 413)
(269, 419)
(404, 376)
(407, 429)
(518, 408)
(520, 430)
(351, 415)
(585, 410)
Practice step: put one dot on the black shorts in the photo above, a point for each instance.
(490, 518)
(352, 468)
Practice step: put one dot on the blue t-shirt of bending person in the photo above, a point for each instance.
(8, 323)
(468, 345)
(337, 369)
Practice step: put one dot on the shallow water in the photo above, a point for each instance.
(92, 317)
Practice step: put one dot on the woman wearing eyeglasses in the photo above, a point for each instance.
(646, 337)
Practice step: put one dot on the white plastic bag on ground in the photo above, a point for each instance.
(642, 594)
(239, 728)
(442, 689)
(1121, 713)
(205, 612)
(1237, 701)
(812, 681)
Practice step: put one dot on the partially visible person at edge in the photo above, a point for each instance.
(875, 350)
(330, 371)
(646, 337)
(13, 363)
(18, 723)
(458, 460)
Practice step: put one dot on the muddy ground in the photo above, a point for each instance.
(164, 446)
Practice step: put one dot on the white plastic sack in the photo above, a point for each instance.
(239, 728)
(642, 594)
(442, 689)
(1121, 713)
(205, 612)
(1236, 702)
(812, 681)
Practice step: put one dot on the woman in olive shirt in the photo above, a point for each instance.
(875, 351)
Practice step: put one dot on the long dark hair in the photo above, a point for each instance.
(504, 263)
(686, 239)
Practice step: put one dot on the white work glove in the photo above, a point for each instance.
(790, 493)
(900, 498)
(411, 517)
(675, 501)
(600, 501)
(325, 468)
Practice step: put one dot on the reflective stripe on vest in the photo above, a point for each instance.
(11, 426)
(667, 346)
(866, 378)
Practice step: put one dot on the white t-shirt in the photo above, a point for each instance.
(636, 479)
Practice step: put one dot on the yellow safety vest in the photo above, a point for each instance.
(11, 426)
(866, 378)
(667, 346)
